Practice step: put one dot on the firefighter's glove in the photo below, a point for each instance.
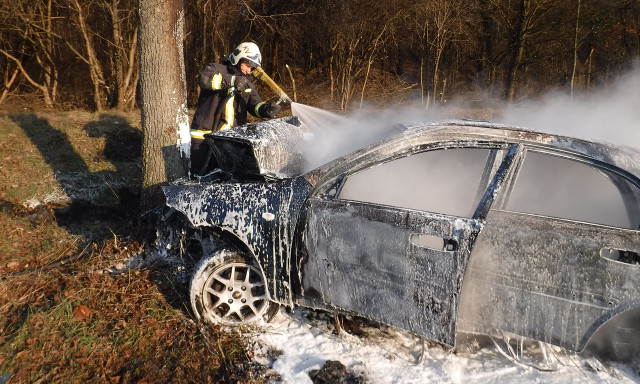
(270, 110)
(242, 84)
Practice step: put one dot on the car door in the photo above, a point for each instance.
(559, 252)
(393, 243)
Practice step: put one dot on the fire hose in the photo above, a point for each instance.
(259, 73)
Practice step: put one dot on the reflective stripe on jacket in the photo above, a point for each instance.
(214, 105)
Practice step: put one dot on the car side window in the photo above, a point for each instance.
(443, 181)
(559, 187)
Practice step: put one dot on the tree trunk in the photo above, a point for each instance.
(369, 62)
(129, 84)
(517, 54)
(589, 68)
(575, 51)
(124, 65)
(487, 41)
(436, 78)
(8, 82)
(165, 125)
(274, 55)
(95, 69)
(331, 75)
(422, 81)
(117, 97)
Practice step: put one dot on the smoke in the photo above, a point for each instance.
(609, 114)
(332, 135)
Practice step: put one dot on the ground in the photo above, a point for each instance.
(73, 308)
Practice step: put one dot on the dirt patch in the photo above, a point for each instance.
(334, 372)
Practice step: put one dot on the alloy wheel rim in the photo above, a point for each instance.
(235, 293)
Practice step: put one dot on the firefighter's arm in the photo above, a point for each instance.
(262, 109)
(214, 78)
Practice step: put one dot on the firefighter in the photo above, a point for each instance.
(226, 95)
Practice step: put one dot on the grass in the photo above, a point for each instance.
(70, 309)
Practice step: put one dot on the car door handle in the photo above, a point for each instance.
(439, 243)
(620, 255)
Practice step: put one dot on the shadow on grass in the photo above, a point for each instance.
(103, 203)
(94, 213)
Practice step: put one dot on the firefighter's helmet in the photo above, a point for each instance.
(248, 52)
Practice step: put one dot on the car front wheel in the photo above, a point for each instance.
(228, 289)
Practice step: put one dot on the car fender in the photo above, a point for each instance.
(603, 331)
(260, 215)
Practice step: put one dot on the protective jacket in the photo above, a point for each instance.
(218, 106)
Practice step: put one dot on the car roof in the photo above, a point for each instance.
(468, 132)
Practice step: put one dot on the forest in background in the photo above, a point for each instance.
(70, 308)
(68, 54)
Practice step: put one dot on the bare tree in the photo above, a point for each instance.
(166, 141)
(348, 65)
(36, 57)
(438, 23)
(522, 46)
(575, 49)
(123, 53)
(114, 80)
(354, 42)
(11, 69)
(523, 19)
(9, 78)
(90, 55)
(370, 60)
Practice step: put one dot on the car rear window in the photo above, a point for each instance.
(555, 186)
(443, 181)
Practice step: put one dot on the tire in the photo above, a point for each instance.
(227, 288)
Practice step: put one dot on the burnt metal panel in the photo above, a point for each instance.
(546, 278)
(361, 259)
(262, 215)
(270, 149)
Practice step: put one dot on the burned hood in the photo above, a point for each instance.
(269, 149)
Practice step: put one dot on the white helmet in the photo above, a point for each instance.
(248, 52)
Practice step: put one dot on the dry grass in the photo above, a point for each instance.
(71, 311)
(78, 322)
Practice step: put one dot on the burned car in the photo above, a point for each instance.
(440, 228)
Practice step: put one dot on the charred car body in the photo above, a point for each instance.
(440, 228)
